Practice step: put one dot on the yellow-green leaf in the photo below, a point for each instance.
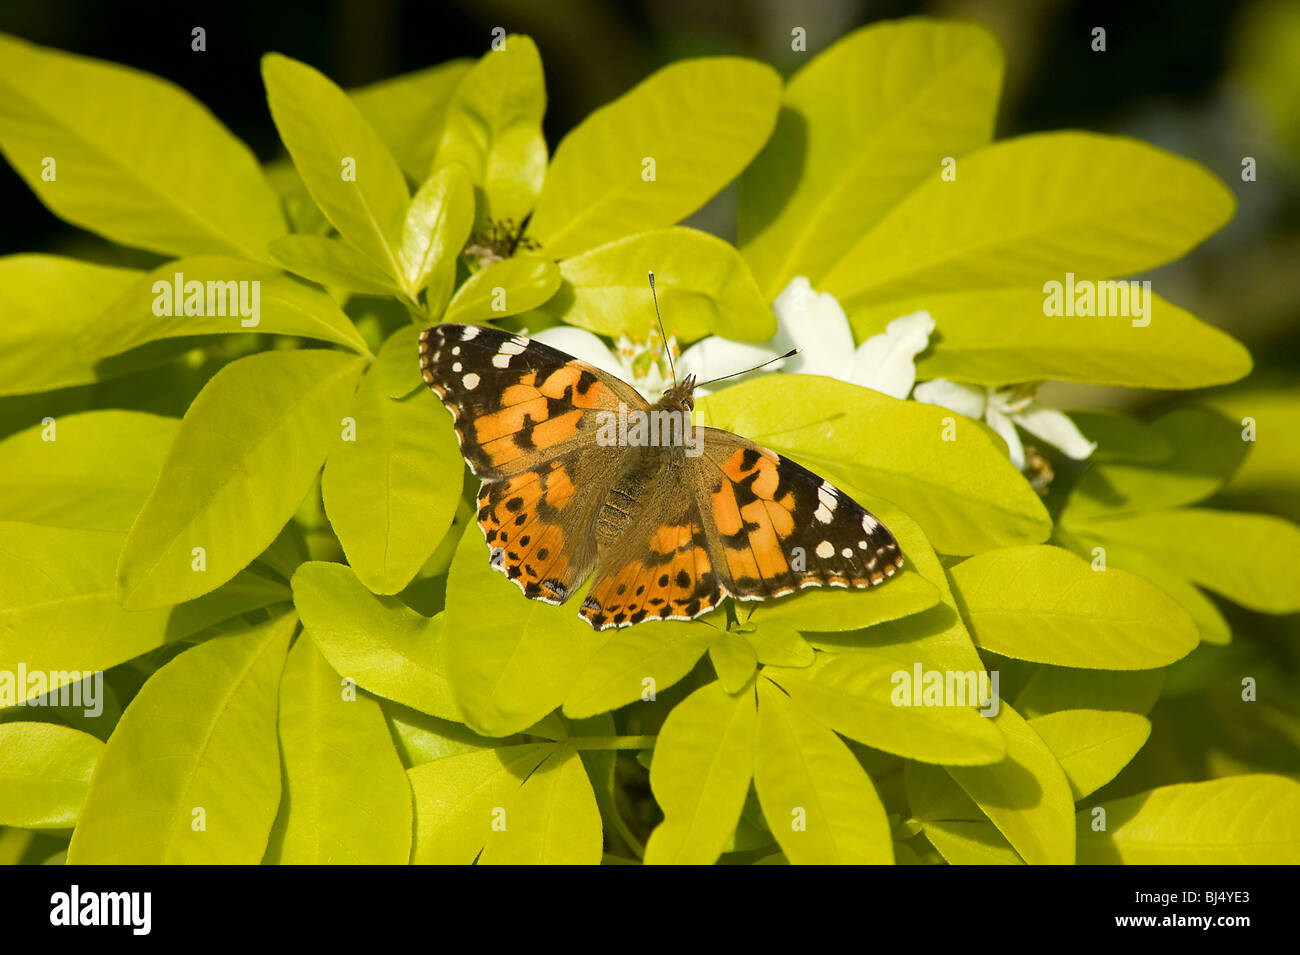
(346, 798)
(45, 772)
(247, 452)
(656, 154)
(865, 121)
(1238, 820)
(817, 799)
(493, 127)
(345, 165)
(704, 288)
(703, 762)
(191, 775)
(137, 159)
(1047, 605)
(378, 642)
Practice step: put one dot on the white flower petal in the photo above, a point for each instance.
(815, 323)
(582, 344)
(714, 357)
(968, 400)
(1006, 428)
(886, 362)
(1057, 430)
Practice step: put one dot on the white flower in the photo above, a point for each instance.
(816, 324)
(811, 321)
(1003, 409)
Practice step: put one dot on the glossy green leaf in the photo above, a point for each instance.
(458, 798)
(58, 604)
(963, 842)
(346, 798)
(277, 305)
(332, 263)
(45, 772)
(138, 159)
(1027, 210)
(1268, 417)
(391, 492)
(952, 822)
(779, 644)
(510, 660)
(858, 694)
(343, 162)
(246, 454)
(1206, 450)
(964, 493)
(817, 799)
(1261, 575)
(703, 763)
(192, 773)
(407, 111)
(704, 288)
(700, 121)
(504, 288)
(1239, 820)
(1092, 746)
(552, 820)
(421, 738)
(1000, 337)
(436, 227)
(1052, 689)
(1026, 795)
(1047, 605)
(864, 122)
(378, 642)
(493, 127)
(34, 352)
(635, 664)
(734, 660)
(89, 471)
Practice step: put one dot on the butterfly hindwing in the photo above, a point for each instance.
(659, 568)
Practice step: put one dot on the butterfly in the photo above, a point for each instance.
(581, 474)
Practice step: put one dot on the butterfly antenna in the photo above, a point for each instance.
(790, 354)
(663, 337)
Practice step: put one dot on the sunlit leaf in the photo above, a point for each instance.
(139, 160)
(247, 451)
(346, 798)
(192, 773)
(378, 642)
(700, 121)
(45, 772)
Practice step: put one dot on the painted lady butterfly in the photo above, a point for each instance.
(669, 527)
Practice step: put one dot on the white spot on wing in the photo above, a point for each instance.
(470, 381)
(869, 523)
(823, 513)
(469, 333)
(501, 361)
(825, 549)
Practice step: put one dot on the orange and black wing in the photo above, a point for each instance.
(775, 527)
(526, 416)
(660, 568)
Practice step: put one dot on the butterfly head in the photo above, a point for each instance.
(680, 397)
